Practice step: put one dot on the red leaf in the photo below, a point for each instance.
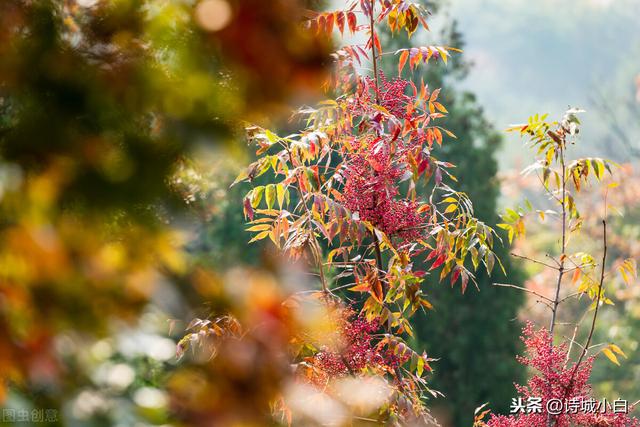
(439, 261)
(339, 16)
(465, 281)
(455, 276)
(351, 20)
(329, 23)
(248, 210)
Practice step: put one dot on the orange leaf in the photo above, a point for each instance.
(376, 290)
(403, 60)
(361, 287)
(438, 135)
(376, 40)
(576, 276)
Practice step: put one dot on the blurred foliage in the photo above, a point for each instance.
(99, 101)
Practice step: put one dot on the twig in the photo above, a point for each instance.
(533, 260)
(506, 285)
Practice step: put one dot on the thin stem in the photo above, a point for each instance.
(506, 285)
(374, 58)
(556, 299)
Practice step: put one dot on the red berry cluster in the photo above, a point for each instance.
(358, 351)
(393, 95)
(371, 189)
(556, 380)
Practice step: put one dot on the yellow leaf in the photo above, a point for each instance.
(612, 357)
(270, 195)
(280, 190)
(450, 208)
(259, 227)
(617, 350)
(259, 236)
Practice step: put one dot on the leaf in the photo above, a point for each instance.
(426, 304)
(361, 287)
(617, 350)
(420, 366)
(376, 290)
(609, 354)
(270, 195)
(576, 275)
(280, 190)
(256, 196)
(272, 137)
(438, 136)
(340, 21)
(259, 227)
(259, 236)
(241, 177)
(351, 20)
(247, 209)
(376, 41)
(402, 61)
(434, 95)
(440, 107)
(438, 262)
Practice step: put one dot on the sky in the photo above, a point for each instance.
(543, 56)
